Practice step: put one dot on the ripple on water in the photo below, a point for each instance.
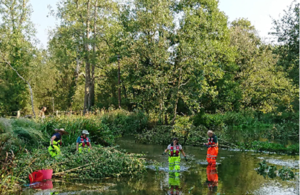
(166, 169)
(282, 162)
(286, 163)
(276, 190)
(205, 163)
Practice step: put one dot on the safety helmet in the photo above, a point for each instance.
(85, 132)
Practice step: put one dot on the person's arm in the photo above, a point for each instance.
(52, 139)
(166, 150)
(182, 152)
(90, 144)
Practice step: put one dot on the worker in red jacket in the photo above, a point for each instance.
(212, 147)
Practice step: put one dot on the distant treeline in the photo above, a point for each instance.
(164, 57)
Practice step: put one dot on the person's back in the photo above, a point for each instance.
(56, 142)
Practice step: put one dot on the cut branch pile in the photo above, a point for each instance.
(100, 162)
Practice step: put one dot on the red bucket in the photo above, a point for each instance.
(47, 174)
(36, 176)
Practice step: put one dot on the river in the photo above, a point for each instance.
(234, 175)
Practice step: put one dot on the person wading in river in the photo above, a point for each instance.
(83, 142)
(212, 147)
(56, 142)
(174, 154)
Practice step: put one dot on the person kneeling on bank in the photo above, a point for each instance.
(56, 142)
(83, 142)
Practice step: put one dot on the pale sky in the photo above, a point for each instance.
(259, 12)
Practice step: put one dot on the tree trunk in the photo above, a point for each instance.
(92, 94)
(119, 83)
(177, 96)
(74, 82)
(87, 97)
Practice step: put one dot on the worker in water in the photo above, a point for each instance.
(83, 142)
(56, 142)
(174, 154)
(212, 147)
(212, 178)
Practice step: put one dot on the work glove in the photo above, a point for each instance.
(206, 145)
(185, 158)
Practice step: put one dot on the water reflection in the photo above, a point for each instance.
(174, 183)
(212, 178)
(44, 185)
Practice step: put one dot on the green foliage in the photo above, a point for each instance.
(249, 126)
(16, 134)
(24, 133)
(100, 162)
(17, 35)
(103, 128)
(175, 58)
(123, 122)
(240, 130)
(160, 134)
(182, 126)
(271, 147)
(286, 31)
(271, 171)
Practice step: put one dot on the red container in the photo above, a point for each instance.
(36, 176)
(47, 173)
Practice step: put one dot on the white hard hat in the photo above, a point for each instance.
(85, 132)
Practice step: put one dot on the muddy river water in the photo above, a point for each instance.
(234, 175)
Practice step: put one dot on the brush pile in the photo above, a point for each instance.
(98, 163)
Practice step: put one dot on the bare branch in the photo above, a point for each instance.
(185, 83)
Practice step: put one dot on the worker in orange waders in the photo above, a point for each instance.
(212, 178)
(174, 155)
(212, 147)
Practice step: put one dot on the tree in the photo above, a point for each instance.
(17, 52)
(145, 66)
(263, 86)
(170, 64)
(286, 30)
(202, 54)
(82, 23)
